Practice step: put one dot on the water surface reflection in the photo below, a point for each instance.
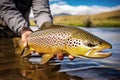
(44, 72)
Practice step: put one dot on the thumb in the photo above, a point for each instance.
(24, 37)
(24, 40)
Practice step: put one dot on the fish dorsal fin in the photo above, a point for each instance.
(46, 58)
(48, 25)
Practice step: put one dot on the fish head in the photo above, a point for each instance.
(89, 48)
(97, 50)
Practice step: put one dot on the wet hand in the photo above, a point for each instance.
(24, 37)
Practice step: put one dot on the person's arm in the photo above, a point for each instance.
(41, 11)
(13, 17)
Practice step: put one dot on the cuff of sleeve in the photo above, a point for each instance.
(24, 29)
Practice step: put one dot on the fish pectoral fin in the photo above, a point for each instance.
(45, 58)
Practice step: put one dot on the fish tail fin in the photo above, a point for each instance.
(18, 45)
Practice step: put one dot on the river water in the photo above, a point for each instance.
(13, 67)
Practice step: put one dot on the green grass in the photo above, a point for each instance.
(107, 23)
(81, 22)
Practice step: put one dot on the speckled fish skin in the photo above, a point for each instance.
(69, 40)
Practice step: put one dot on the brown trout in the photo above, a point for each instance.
(63, 40)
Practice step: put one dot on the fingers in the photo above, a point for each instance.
(71, 57)
(24, 37)
(61, 57)
(24, 40)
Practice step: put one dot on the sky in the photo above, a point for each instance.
(82, 7)
(108, 3)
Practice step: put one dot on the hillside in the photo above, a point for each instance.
(109, 15)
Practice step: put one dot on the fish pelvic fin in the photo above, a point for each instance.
(18, 45)
(46, 58)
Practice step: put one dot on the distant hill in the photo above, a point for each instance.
(61, 14)
(109, 15)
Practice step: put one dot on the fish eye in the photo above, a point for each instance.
(90, 44)
(100, 42)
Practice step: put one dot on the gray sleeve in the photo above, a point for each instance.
(12, 16)
(41, 11)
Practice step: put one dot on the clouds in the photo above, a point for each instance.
(60, 7)
(63, 7)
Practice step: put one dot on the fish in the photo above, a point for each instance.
(59, 39)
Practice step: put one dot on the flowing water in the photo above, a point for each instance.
(13, 67)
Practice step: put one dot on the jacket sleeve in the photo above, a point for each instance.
(41, 11)
(12, 16)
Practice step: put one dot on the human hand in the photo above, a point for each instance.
(24, 37)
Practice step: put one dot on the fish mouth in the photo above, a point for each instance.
(98, 53)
